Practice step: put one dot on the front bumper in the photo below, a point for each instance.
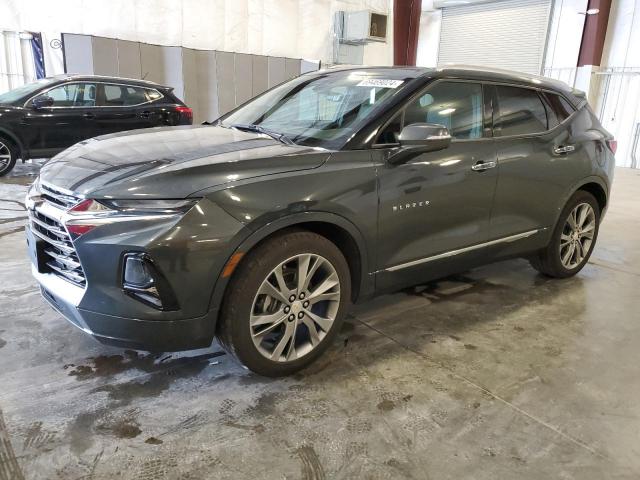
(138, 334)
(188, 254)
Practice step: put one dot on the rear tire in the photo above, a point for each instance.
(285, 303)
(8, 155)
(573, 238)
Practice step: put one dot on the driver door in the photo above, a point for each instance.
(438, 204)
(67, 121)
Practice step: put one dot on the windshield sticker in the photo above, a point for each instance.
(380, 83)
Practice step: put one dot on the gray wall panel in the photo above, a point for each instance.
(277, 73)
(129, 59)
(260, 74)
(292, 67)
(207, 78)
(243, 77)
(105, 56)
(308, 66)
(78, 53)
(162, 65)
(190, 80)
(226, 76)
(211, 83)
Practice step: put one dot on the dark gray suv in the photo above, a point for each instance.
(341, 184)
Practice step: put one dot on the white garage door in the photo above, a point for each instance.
(503, 34)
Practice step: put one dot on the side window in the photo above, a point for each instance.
(560, 107)
(520, 112)
(391, 132)
(153, 95)
(73, 95)
(456, 105)
(122, 95)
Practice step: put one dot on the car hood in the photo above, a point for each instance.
(172, 162)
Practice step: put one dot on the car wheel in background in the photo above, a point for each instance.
(285, 303)
(8, 155)
(573, 238)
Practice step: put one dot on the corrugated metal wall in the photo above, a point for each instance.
(503, 34)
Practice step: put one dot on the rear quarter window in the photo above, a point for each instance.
(520, 112)
(560, 107)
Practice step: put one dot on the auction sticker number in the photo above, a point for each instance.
(380, 83)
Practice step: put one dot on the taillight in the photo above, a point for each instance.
(185, 112)
(613, 145)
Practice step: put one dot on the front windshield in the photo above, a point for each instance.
(24, 91)
(319, 110)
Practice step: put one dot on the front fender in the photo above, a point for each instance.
(246, 243)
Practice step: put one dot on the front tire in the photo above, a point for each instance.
(573, 238)
(8, 156)
(285, 303)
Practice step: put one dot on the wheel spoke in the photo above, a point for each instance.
(579, 251)
(564, 239)
(291, 351)
(328, 284)
(303, 271)
(257, 320)
(313, 331)
(323, 323)
(568, 254)
(282, 285)
(572, 221)
(582, 214)
(288, 333)
(273, 292)
(589, 227)
(309, 275)
(332, 296)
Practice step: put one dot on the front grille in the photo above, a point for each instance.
(58, 197)
(61, 257)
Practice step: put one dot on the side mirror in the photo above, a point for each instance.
(420, 138)
(43, 101)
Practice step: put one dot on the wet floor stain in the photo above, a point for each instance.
(153, 441)
(2, 342)
(111, 365)
(126, 427)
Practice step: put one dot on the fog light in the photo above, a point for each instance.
(135, 272)
(143, 281)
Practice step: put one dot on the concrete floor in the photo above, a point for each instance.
(496, 373)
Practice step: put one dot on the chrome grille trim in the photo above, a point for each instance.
(58, 196)
(46, 223)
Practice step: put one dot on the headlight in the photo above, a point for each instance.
(90, 213)
(150, 206)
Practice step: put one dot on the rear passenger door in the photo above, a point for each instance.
(536, 153)
(124, 107)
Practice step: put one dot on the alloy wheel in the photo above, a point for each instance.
(577, 235)
(295, 307)
(5, 156)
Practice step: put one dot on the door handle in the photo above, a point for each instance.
(89, 116)
(482, 166)
(564, 149)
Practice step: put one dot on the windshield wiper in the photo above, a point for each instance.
(281, 137)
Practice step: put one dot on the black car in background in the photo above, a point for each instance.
(41, 119)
